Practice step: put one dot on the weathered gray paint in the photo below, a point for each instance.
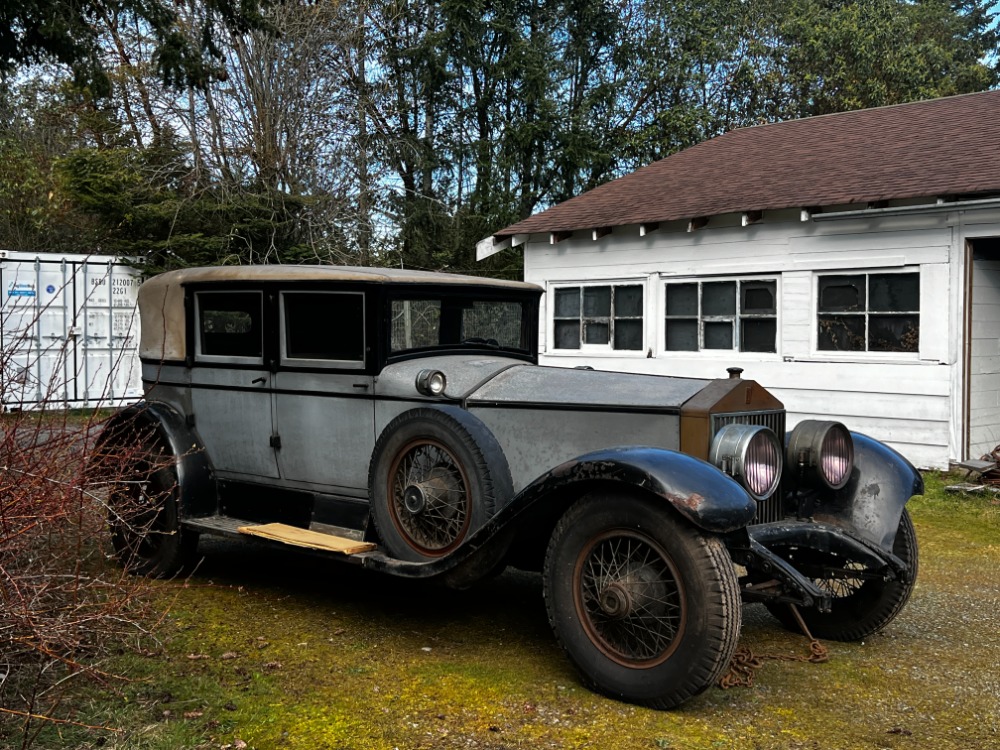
(536, 441)
(556, 385)
(327, 429)
(235, 425)
(463, 373)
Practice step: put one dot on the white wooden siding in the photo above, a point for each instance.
(912, 401)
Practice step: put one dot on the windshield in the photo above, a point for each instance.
(454, 322)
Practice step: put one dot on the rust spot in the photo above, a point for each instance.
(692, 502)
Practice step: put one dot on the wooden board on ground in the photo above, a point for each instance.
(297, 537)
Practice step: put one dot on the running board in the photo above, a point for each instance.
(296, 537)
(340, 541)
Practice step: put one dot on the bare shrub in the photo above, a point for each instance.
(64, 606)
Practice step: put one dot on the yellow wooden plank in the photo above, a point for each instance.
(297, 537)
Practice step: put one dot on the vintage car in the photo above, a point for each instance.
(399, 421)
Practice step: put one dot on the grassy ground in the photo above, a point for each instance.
(281, 650)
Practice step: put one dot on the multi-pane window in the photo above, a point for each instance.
(733, 315)
(874, 312)
(608, 315)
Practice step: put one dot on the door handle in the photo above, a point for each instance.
(258, 380)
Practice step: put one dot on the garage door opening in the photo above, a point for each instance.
(982, 378)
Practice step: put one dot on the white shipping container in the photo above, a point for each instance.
(69, 331)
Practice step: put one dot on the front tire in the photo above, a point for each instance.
(860, 607)
(646, 606)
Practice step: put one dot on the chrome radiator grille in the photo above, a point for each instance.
(769, 509)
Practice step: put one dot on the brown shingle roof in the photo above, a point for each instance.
(940, 147)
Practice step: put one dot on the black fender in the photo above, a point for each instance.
(195, 482)
(699, 491)
(872, 501)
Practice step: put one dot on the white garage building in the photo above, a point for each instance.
(850, 263)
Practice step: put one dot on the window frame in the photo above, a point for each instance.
(226, 359)
(586, 349)
(737, 317)
(865, 354)
(326, 364)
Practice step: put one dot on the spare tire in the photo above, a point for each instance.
(437, 475)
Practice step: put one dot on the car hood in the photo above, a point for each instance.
(500, 380)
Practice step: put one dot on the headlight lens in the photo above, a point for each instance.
(751, 454)
(821, 453)
(431, 382)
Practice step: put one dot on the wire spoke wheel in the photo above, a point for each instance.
(629, 597)
(436, 477)
(864, 600)
(429, 501)
(645, 605)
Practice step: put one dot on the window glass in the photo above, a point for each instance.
(841, 293)
(758, 334)
(601, 315)
(728, 315)
(568, 302)
(682, 335)
(499, 321)
(758, 296)
(682, 299)
(567, 334)
(324, 326)
(878, 312)
(891, 292)
(451, 321)
(415, 323)
(628, 301)
(597, 301)
(229, 324)
(718, 298)
(719, 335)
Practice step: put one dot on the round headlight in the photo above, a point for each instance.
(821, 453)
(751, 454)
(431, 382)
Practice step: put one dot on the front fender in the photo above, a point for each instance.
(872, 501)
(698, 490)
(195, 484)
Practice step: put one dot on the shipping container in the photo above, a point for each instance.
(69, 331)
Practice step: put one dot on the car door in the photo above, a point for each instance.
(231, 388)
(324, 409)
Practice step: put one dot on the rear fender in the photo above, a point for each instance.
(872, 501)
(195, 483)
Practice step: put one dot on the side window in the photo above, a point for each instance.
(873, 312)
(229, 325)
(324, 328)
(606, 315)
(732, 315)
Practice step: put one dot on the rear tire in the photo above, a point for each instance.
(859, 608)
(142, 510)
(646, 606)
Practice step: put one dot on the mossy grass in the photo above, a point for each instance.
(282, 650)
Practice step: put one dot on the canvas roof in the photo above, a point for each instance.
(935, 148)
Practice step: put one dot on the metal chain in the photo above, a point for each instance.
(745, 663)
